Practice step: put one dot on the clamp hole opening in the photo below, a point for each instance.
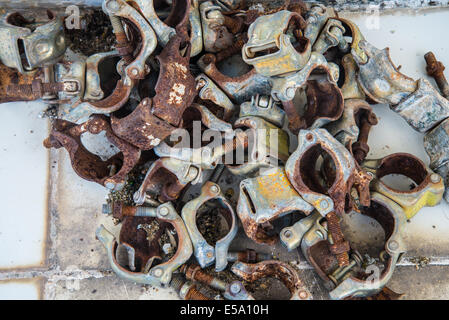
(402, 172)
(214, 220)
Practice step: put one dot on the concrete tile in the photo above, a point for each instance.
(109, 288)
(78, 212)
(431, 282)
(23, 191)
(26, 289)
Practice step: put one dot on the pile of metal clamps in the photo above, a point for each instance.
(303, 73)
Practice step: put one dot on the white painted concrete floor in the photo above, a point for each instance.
(49, 214)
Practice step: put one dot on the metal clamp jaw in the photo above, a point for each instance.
(216, 36)
(347, 129)
(317, 17)
(269, 33)
(43, 46)
(379, 78)
(423, 109)
(264, 107)
(265, 199)
(166, 178)
(351, 88)
(209, 156)
(435, 143)
(238, 89)
(159, 275)
(155, 119)
(205, 253)
(331, 36)
(301, 172)
(284, 87)
(88, 165)
(272, 268)
(137, 69)
(130, 74)
(267, 145)
(180, 11)
(357, 37)
(428, 192)
(392, 219)
(209, 91)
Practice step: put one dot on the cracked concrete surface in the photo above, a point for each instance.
(74, 263)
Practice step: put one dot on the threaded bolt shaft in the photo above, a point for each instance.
(123, 45)
(194, 294)
(334, 228)
(435, 69)
(194, 273)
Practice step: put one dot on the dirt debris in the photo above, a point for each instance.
(94, 36)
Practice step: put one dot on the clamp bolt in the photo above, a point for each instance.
(235, 288)
(435, 178)
(164, 211)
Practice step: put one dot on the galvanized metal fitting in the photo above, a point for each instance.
(216, 35)
(205, 253)
(45, 45)
(88, 165)
(284, 87)
(317, 16)
(265, 199)
(332, 35)
(424, 108)
(209, 91)
(239, 89)
(435, 143)
(181, 11)
(267, 146)
(392, 219)
(161, 274)
(165, 180)
(264, 107)
(273, 268)
(429, 185)
(301, 172)
(379, 77)
(276, 45)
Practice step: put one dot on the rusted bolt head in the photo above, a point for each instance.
(214, 189)
(134, 72)
(158, 272)
(113, 5)
(435, 178)
(287, 234)
(290, 93)
(309, 137)
(324, 204)
(393, 245)
(303, 294)
(164, 211)
(235, 288)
